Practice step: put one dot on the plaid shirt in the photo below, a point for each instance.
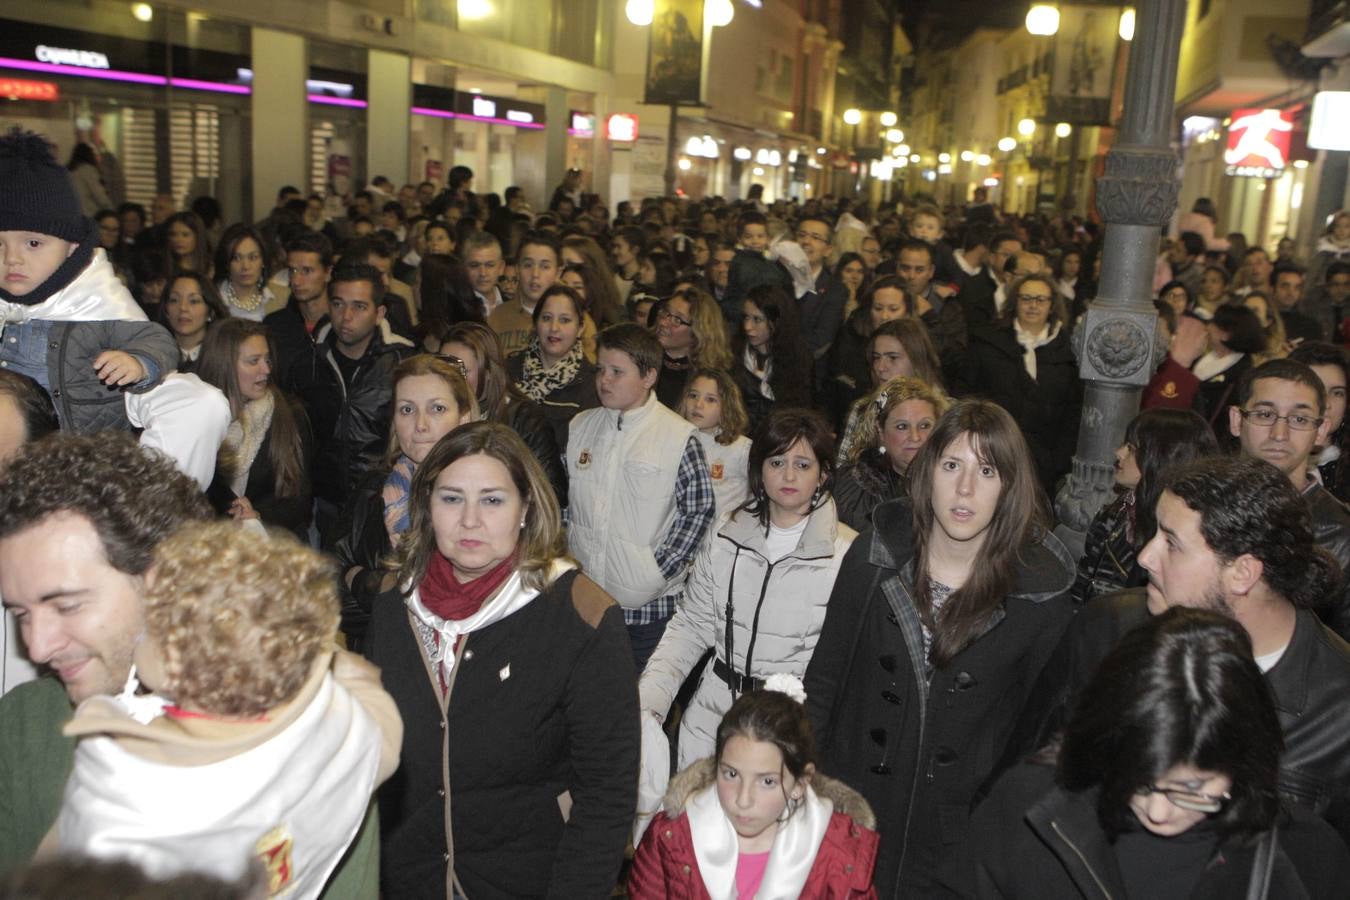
(693, 515)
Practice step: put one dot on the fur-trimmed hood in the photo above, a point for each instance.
(702, 774)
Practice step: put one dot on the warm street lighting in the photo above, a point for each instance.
(895, 135)
(1127, 24)
(1063, 130)
(852, 116)
(640, 12)
(1026, 127)
(742, 153)
(967, 155)
(944, 157)
(983, 159)
(1043, 19)
(684, 164)
(1007, 144)
(142, 12)
(945, 169)
(903, 149)
(888, 119)
(718, 12)
(914, 157)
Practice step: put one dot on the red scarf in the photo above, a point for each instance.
(445, 596)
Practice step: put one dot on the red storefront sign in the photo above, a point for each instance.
(1258, 142)
(622, 127)
(23, 89)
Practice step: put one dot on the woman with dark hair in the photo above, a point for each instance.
(602, 300)
(444, 296)
(499, 400)
(243, 269)
(262, 471)
(656, 274)
(440, 238)
(1164, 785)
(87, 179)
(1155, 441)
(883, 301)
(693, 335)
(898, 348)
(772, 364)
(756, 594)
(1069, 279)
(852, 274)
(189, 249)
(1193, 377)
(514, 678)
(1272, 325)
(1176, 295)
(553, 371)
(941, 619)
(1025, 364)
(1213, 290)
(190, 305)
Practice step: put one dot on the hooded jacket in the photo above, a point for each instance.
(666, 862)
(918, 741)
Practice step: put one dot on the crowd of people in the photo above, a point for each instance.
(432, 546)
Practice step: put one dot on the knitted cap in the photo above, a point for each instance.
(36, 193)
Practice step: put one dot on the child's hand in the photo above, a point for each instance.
(118, 369)
(241, 509)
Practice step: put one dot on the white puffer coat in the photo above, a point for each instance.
(776, 609)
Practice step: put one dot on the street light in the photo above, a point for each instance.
(640, 12)
(944, 157)
(894, 135)
(1063, 130)
(142, 12)
(983, 159)
(1043, 19)
(719, 13)
(967, 155)
(1127, 24)
(1007, 144)
(852, 116)
(1026, 127)
(888, 119)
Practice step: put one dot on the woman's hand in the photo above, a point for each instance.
(241, 509)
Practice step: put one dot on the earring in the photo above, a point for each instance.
(522, 524)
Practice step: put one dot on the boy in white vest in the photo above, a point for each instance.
(260, 747)
(640, 498)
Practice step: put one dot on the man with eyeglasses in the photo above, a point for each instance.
(821, 309)
(1236, 538)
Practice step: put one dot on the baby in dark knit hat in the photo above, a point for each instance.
(71, 326)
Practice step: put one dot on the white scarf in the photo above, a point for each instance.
(94, 296)
(717, 848)
(1211, 365)
(762, 374)
(1030, 342)
(245, 436)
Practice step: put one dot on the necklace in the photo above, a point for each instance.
(248, 304)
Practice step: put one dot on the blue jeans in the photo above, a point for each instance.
(644, 639)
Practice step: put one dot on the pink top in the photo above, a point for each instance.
(749, 873)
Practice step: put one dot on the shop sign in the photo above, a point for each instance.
(62, 56)
(622, 127)
(1327, 129)
(484, 108)
(1258, 142)
(583, 125)
(520, 117)
(22, 89)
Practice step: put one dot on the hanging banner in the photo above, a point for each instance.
(675, 52)
(1084, 65)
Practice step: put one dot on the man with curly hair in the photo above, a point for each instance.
(80, 518)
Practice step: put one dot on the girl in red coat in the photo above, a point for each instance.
(756, 820)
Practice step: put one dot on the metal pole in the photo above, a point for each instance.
(1116, 341)
(670, 150)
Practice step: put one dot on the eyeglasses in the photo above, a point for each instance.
(454, 361)
(813, 236)
(1034, 298)
(1191, 800)
(1266, 418)
(678, 320)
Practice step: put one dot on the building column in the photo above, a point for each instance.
(1116, 342)
(280, 142)
(389, 116)
(558, 116)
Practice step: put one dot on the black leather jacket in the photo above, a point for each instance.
(1331, 531)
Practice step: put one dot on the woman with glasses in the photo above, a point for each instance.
(1163, 785)
(1023, 362)
(941, 619)
(690, 329)
(1155, 441)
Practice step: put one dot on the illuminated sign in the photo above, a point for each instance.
(621, 127)
(22, 89)
(61, 56)
(484, 108)
(583, 125)
(1330, 112)
(515, 115)
(1258, 142)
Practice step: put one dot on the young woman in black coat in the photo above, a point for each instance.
(262, 471)
(1024, 363)
(940, 621)
(1164, 785)
(514, 678)
(770, 360)
(553, 371)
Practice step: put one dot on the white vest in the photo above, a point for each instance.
(729, 470)
(622, 468)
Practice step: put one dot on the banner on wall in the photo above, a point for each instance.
(675, 52)
(1083, 70)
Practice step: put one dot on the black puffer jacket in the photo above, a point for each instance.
(917, 741)
(351, 426)
(1035, 840)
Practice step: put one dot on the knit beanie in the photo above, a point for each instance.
(36, 193)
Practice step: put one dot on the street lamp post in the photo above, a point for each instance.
(1116, 341)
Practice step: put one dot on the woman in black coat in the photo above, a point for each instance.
(262, 471)
(553, 371)
(1023, 362)
(1164, 785)
(850, 372)
(514, 678)
(940, 621)
(770, 361)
